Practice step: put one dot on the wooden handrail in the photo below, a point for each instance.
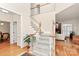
(39, 30)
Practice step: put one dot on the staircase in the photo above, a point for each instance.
(35, 24)
(44, 41)
(42, 45)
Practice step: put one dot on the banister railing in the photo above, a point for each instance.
(38, 30)
(36, 25)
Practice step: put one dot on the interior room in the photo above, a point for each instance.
(32, 29)
(4, 27)
(4, 32)
(10, 33)
(67, 31)
(8, 26)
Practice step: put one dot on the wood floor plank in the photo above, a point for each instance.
(65, 49)
(10, 50)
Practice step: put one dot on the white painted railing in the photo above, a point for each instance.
(42, 45)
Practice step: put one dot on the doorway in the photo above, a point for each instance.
(4, 31)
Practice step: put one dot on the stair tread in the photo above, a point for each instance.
(42, 50)
(40, 53)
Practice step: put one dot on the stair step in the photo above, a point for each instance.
(43, 43)
(42, 47)
(39, 53)
(44, 38)
(42, 50)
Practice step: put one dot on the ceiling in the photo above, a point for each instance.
(69, 13)
(4, 11)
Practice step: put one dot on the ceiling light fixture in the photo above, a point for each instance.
(5, 11)
(2, 24)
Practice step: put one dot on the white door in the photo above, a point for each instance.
(14, 32)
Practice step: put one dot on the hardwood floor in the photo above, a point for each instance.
(66, 49)
(62, 49)
(11, 50)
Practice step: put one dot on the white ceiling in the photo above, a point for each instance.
(8, 13)
(69, 13)
(18, 8)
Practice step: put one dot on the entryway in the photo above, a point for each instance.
(11, 21)
(4, 32)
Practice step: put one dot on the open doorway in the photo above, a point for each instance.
(67, 32)
(8, 32)
(4, 31)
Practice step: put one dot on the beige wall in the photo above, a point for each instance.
(5, 28)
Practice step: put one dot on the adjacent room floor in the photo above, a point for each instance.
(66, 49)
(11, 50)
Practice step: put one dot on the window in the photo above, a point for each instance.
(40, 8)
(35, 9)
